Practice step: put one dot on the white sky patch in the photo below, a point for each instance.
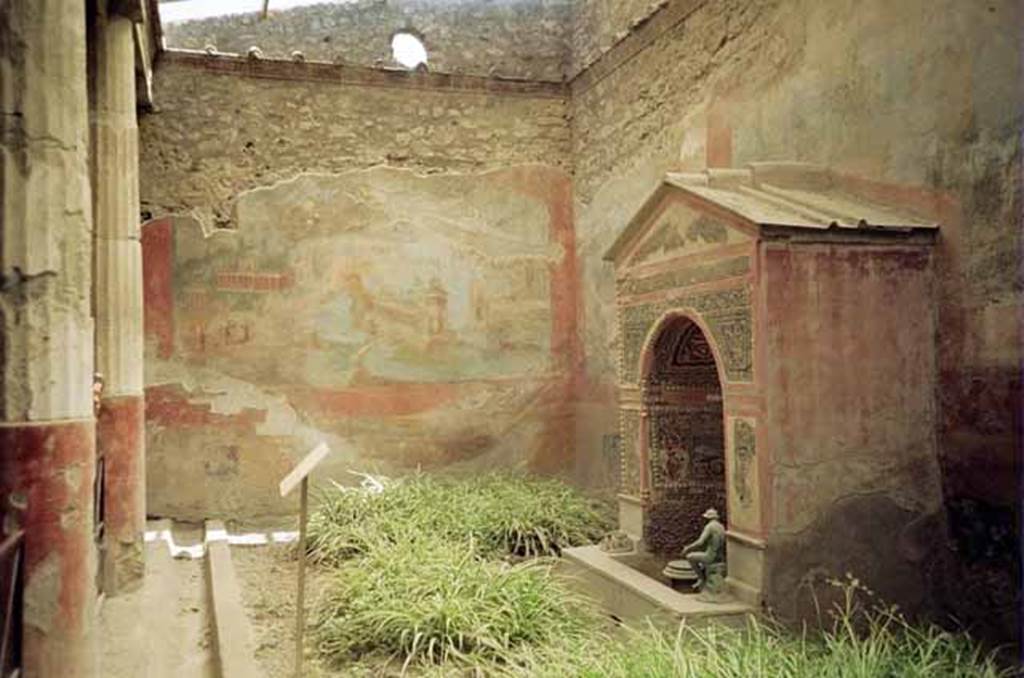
(408, 50)
(186, 10)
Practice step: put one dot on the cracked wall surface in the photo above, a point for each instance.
(47, 434)
(409, 321)
(288, 246)
(509, 38)
(45, 258)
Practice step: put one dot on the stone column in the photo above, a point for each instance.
(47, 434)
(118, 271)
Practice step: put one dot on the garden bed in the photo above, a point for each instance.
(438, 577)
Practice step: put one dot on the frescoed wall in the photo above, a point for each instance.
(409, 321)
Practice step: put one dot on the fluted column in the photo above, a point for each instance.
(47, 445)
(118, 271)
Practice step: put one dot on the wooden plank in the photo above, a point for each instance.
(303, 468)
(232, 630)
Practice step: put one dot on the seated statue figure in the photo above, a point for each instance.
(709, 549)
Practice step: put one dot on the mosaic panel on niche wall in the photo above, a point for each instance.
(727, 314)
(744, 450)
(686, 449)
(686, 276)
(671, 524)
(630, 463)
(683, 357)
(687, 446)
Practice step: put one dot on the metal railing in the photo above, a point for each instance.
(12, 562)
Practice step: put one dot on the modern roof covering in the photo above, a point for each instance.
(787, 195)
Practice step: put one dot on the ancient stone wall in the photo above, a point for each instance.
(226, 126)
(910, 96)
(386, 267)
(509, 38)
(598, 25)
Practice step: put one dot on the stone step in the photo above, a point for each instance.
(633, 597)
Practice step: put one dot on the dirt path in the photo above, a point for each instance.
(161, 630)
(267, 577)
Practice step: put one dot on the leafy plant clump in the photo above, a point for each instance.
(861, 642)
(500, 514)
(432, 601)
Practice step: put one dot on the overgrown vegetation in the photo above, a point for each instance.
(500, 515)
(453, 577)
(436, 601)
(860, 642)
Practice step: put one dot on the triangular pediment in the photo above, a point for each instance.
(694, 213)
(673, 223)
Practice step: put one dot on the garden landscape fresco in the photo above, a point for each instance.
(408, 321)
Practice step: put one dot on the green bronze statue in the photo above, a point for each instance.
(707, 555)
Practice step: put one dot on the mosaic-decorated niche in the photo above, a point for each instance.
(753, 307)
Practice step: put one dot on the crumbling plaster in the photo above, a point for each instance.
(217, 136)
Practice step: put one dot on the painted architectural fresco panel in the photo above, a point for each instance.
(629, 449)
(686, 276)
(407, 320)
(727, 314)
(682, 230)
(744, 483)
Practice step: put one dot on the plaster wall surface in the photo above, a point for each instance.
(47, 436)
(509, 38)
(398, 280)
(118, 296)
(849, 423)
(46, 258)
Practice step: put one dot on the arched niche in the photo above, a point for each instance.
(683, 432)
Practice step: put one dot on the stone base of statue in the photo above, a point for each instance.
(714, 590)
(680, 573)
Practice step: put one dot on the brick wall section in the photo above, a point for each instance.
(218, 134)
(512, 38)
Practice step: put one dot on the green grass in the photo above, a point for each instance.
(426, 576)
(433, 601)
(501, 515)
(902, 651)
(861, 640)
